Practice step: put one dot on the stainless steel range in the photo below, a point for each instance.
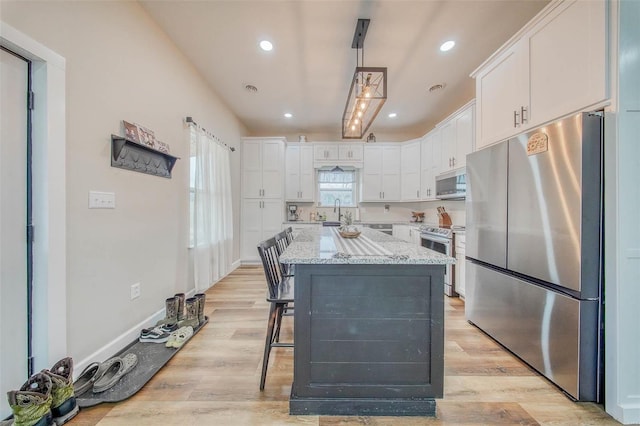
(440, 240)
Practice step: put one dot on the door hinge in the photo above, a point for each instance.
(30, 100)
(30, 233)
(30, 365)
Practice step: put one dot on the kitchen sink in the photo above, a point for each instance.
(330, 223)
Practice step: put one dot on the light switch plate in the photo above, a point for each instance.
(102, 200)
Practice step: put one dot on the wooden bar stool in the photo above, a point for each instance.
(279, 295)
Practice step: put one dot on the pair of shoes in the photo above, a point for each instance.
(115, 368)
(179, 337)
(47, 398)
(159, 334)
(102, 376)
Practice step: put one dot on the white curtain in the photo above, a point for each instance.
(212, 220)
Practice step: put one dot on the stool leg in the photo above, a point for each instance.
(273, 313)
(279, 322)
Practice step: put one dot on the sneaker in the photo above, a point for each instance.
(31, 405)
(168, 328)
(178, 337)
(63, 400)
(153, 335)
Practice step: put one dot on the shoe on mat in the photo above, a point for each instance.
(63, 400)
(31, 405)
(153, 335)
(168, 328)
(178, 337)
(116, 368)
(87, 378)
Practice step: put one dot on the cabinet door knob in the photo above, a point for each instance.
(523, 110)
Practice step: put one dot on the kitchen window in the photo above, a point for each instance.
(337, 185)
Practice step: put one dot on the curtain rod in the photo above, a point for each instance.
(217, 139)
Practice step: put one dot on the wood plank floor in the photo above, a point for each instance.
(214, 379)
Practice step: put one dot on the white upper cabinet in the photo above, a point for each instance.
(350, 152)
(410, 170)
(299, 175)
(568, 60)
(336, 154)
(262, 168)
(555, 66)
(381, 173)
(457, 135)
(430, 158)
(326, 152)
(501, 96)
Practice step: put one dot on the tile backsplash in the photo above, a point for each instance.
(394, 212)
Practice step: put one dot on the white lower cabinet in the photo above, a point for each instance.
(408, 233)
(459, 276)
(261, 220)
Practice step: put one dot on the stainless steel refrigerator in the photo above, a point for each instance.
(534, 249)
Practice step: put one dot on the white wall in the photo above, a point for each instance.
(121, 66)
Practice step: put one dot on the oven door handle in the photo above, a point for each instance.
(441, 240)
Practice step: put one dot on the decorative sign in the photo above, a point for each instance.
(538, 143)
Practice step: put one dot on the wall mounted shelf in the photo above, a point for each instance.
(130, 155)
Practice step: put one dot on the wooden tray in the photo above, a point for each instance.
(349, 234)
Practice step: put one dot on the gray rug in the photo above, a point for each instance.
(151, 358)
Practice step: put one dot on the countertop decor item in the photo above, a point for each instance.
(349, 234)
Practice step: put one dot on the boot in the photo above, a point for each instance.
(180, 297)
(171, 316)
(63, 403)
(191, 314)
(201, 299)
(31, 405)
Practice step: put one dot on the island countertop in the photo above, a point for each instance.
(323, 245)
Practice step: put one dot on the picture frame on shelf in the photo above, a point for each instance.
(146, 137)
(131, 131)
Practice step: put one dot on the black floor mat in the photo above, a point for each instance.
(151, 358)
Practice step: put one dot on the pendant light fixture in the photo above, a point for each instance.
(367, 93)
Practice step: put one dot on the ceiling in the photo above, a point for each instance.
(309, 70)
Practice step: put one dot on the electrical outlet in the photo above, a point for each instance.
(135, 291)
(102, 200)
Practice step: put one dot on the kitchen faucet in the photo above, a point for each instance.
(337, 202)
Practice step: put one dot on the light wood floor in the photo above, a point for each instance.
(214, 379)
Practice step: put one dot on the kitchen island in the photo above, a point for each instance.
(368, 325)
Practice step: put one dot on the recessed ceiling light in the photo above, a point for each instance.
(437, 87)
(266, 45)
(447, 45)
(393, 115)
(288, 115)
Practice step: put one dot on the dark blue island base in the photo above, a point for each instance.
(369, 339)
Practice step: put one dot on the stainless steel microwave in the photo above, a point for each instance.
(451, 185)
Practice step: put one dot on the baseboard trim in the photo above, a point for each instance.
(119, 342)
(132, 333)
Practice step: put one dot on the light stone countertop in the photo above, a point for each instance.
(317, 246)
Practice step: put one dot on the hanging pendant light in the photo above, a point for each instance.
(367, 93)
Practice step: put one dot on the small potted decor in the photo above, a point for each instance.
(348, 229)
